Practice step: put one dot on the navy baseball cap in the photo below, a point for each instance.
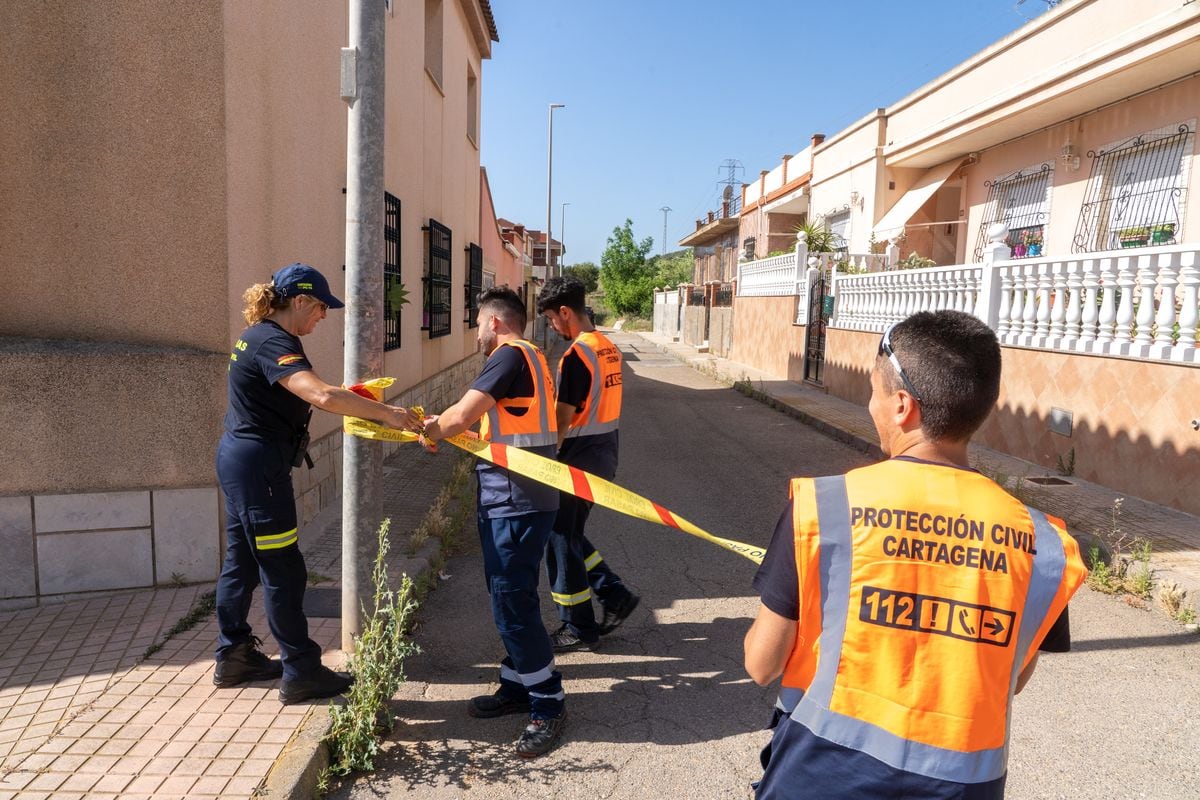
(297, 279)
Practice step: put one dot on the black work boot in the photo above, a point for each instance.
(321, 682)
(541, 736)
(615, 614)
(245, 662)
(565, 640)
(497, 705)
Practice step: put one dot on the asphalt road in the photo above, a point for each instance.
(664, 708)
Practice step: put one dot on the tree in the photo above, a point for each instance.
(675, 268)
(627, 279)
(585, 271)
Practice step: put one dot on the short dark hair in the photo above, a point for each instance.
(953, 361)
(505, 304)
(562, 291)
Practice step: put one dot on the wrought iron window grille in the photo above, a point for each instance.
(473, 285)
(436, 283)
(1021, 201)
(1136, 192)
(393, 286)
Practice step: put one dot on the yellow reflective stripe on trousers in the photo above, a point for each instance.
(571, 599)
(591, 561)
(276, 540)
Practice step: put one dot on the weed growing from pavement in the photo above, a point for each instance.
(378, 666)
(1125, 569)
(203, 606)
(1066, 465)
(315, 577)
(1173, 599)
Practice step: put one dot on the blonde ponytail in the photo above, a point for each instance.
(261, 300)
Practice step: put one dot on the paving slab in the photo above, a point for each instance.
(85, 712)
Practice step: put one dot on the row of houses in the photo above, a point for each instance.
(170, 158)
(1043, 184)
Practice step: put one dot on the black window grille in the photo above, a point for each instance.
(436, 283)
(474, 284)
(723, 296)
(696, 296)
(393, 287)
(1020, 201)
(748, 245)
(1135, 193)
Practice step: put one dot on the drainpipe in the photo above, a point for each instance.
(362, 460)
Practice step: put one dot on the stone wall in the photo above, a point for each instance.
(143, 533)
(720, 331)
(695, 331)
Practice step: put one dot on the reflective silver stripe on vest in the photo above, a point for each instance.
(813, 712)
(544, 436)
(590, 426)
(1048, 565)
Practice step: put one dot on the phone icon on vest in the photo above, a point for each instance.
(962, 620)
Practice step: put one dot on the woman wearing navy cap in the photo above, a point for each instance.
(272, 387)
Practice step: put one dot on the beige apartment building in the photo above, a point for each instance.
(167, 157)
(1077, 134)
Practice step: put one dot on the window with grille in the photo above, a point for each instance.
(1022, 202)
(474, 284)
(1136, 192)
(436, 283)
(838, 226)
(393, 287)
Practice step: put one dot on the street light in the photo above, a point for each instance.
(562, 227)
(549, 184)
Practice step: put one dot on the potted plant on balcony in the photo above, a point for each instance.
(1136, 236)
(1163, 233)
(1032, 240)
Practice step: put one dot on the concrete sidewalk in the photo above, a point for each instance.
(1086, 507)
(86, 713)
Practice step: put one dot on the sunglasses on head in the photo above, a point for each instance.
(885, 348)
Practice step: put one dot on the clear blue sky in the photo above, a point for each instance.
(659, 93)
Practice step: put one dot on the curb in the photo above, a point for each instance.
(1086, 539)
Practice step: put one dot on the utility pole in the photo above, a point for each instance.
(362, 79)
(666, 210)
(562, 227)
(550, 183)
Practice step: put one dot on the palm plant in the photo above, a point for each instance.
(820, 239)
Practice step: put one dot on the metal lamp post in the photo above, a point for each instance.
(549, 183)
(562, 227)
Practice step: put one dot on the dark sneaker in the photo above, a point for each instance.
(497, 705)
(615, 614)
(540, 736)
(323, 682)
(245, 662)
(565, 641)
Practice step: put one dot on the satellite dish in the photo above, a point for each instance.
(728, 193)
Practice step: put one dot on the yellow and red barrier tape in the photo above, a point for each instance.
(553, 473)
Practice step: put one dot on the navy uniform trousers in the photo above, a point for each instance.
(577, 571)
(261, 546)
(512, 554)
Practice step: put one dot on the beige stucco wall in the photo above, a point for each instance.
(1171, 105)
(112, 226)
(850, 162)
(1077, 57)
(287, 164)
(1131, 418)
(766, 337)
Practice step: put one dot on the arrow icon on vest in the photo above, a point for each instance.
(995, 625)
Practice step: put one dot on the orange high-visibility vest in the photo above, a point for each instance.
(524, 421)
(924, 591)
(601, 411)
